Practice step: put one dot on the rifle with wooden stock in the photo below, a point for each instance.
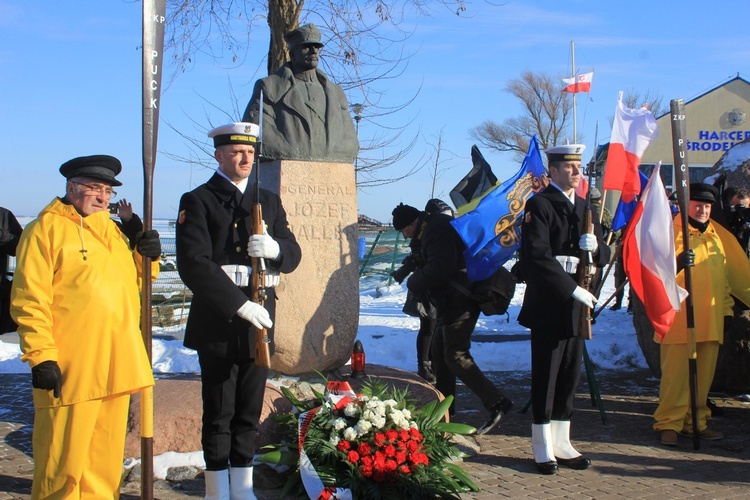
(257, 283)
(586, 268)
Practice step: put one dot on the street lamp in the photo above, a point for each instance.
(357, 110)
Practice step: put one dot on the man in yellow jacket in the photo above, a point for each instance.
(76, 300)
(716, 272)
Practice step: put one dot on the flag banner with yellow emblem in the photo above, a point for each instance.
(492, 231)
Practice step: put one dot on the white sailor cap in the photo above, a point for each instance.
(567, 152)
(235, 133)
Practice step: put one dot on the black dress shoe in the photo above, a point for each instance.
(578, 463)
(547, 467)
(615, 307)
(496, 414)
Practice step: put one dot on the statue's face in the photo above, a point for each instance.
(305, 57)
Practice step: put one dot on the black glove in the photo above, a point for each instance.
(728, 323)
(685, 259)
(401, 273)
(46, 375)
(148, 244)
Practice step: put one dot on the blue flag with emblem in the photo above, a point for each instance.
(492, 231)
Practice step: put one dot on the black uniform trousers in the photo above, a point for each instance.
(232, 393)
(451, 357)
(427, 327)
(555, 373)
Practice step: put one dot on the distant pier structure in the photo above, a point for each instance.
(365, 223)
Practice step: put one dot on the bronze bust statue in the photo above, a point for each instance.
(306, 116)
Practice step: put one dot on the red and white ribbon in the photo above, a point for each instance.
(339, 394)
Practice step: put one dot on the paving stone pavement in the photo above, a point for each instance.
(628, 460)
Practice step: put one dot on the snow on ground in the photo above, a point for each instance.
(389, 337)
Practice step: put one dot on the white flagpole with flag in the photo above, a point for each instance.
(632, 132)
(580, 83)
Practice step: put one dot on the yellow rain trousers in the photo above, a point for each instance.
(78, 449)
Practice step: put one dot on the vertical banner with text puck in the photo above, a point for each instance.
(154, 19)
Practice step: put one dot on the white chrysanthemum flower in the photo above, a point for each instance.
(401, 422)
(407, 413)
(370, 415)
(413, 425)
(338, 423)
(334, 439)
(351, 410)
(350, 434)
(379, 422)
(363, 427)
(390, 402)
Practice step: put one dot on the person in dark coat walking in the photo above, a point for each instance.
(552, 239)
(428, 322)
(440, 262)
(214, 250)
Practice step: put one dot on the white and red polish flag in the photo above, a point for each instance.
(581, 83)
(649, 256)
(632, 132)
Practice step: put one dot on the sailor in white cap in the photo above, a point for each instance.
(553, 238)
(215, 245)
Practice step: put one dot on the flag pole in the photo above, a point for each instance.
(682, 185)
(573, 75)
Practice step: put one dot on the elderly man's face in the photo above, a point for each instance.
(699, 210)
(235, 160)
(89, 196)
(305, 57)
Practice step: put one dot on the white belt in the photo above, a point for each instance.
(240, 275)
(569, 263)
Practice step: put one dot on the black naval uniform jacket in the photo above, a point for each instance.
(213, 229)
(551, 227)
(440, 260)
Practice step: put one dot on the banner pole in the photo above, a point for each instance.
(154, 18)
(682, 185)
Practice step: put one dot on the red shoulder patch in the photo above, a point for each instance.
(181, 217)
(527, 217)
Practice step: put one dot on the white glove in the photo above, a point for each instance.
(588, 242)
(263, 246)
(271, 278)
(584, 297)
(255, 314)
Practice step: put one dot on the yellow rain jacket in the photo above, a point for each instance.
(76, 300)
(717, 272)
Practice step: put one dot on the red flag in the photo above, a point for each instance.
(632, 132)
(649, 256)
(581, 83)
(583, 187)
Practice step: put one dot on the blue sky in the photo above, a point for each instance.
(70, 85)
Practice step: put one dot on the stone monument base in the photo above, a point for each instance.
(178, 407)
